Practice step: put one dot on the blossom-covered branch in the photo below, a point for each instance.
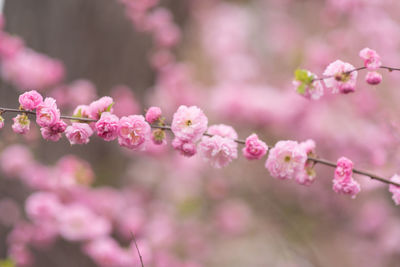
(218, 143)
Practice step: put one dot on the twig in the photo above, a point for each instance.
(137, 248)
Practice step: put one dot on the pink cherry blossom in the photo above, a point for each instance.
(76, 222)
(189, 123)
(373, 78)
(99, 106)
(187, 149)
(30, 100)
(343, 182)
(78, 133)
(223, 131)
(153, 114)
(307, 175)
(395, 190)
(286, 160)
(14, 158)
(313, 91)
(133, 132)
(107, 126)
(53, 133)
(254, 148)
(219, 151)
(10, 45)
(372, 61)
(342, 78)
(21, 124)
(43, 206)
(47, 113)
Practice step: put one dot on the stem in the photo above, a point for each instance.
(239, 141)
(137, 248)
(390, 69)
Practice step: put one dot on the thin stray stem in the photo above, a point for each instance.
(239, 141)
(137, 248)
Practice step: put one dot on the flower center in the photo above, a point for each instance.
(287, 159)
(188, 123)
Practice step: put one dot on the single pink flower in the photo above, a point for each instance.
(343, 182)
(43, 207)
(133, 132)
(107, 126)
(187, 149)
(189, 123)
(286, 160)
(99, 106)
(254, 148)
(21, 124)
(47, 113)
(343, 78)
(153, 114)
(372, 61)
(78, 133)
(219, 151)
(395, 190)
(373, 78)
(30, 100)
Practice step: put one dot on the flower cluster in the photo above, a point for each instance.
(343, 181)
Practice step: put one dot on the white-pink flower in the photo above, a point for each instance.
(372, 61)
(219, 151)
(78, 133)
(373, 77)
(153, 114)
(254, 148)
(342, 78)
(99, 106)
(107, 126)
(189, 123)
(343, 182)
(133, 132)
(286, 160)
(30, 100)
(21, 124)
(47, 113)
(395, 190)
(77, 223)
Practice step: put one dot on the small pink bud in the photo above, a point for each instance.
(373, 78)
(153, 114)
(21, 124)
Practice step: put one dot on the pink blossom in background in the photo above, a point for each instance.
(223, 131)
(81, 92)
(10, 45)
(343, 181)
(189, 123)
(395, 190)
(254, 148)
(21, 124)
(28, 69)
(125, 101)
(133, 132)
(153, 114)
(21, 255)
(233, 216)
(30, 100)
(372, 61)
(96, 108)
(341, 81)
(286, 160)
(72, 172)
(186, 148)
(107, 126)
(76, 223)
(47, 113)
(43, 207)
(14, 158)
(78, 133)
(217, 150)
(373, 77)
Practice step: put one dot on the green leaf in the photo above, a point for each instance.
(110, 106)
(301, 89)
(303, 76)
(7, 263)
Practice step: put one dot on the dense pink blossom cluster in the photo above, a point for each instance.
(343, 181)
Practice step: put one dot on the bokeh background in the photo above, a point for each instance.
(235, 60)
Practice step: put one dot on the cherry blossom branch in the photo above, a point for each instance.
(239, 141)
(137, 248)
